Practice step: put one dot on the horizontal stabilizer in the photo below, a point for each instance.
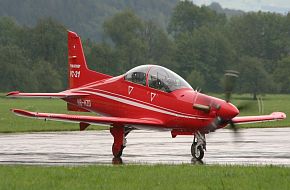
(64, 94)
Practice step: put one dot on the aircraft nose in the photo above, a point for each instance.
(228, 111)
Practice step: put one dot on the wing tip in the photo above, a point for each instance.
(24, 113)
(279, 115)
(13, 93)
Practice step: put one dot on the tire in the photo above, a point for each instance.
(200, 152)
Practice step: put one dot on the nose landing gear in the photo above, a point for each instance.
(198, 146)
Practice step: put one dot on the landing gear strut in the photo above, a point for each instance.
(198, 146)
(119, 133)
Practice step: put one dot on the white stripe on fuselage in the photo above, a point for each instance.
(140, 105)
(139, 101)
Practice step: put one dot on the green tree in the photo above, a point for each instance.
(187, 16)
(15, 70)
(125, 30)
(259, 35)
(48, 79)
(48, 42)
(196, 79)
(123, 27)
(281, 75)
(206, 51)
(101, 57)
(9, 31)
(160, 48)
(137, 42)
(254, 78)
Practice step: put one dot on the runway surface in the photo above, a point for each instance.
(252, 146)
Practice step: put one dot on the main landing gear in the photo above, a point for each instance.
(198, 146)
(119, 133)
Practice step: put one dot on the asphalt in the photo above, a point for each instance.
(250, 147)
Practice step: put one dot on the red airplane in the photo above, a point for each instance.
(146, 97)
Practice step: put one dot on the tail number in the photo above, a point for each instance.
(84, 103)
(75, 74)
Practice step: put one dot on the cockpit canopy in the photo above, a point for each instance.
(156, 77)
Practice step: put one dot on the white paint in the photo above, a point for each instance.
(75, 74)
(130, 89)
(143, 106)
(84, 103)
(76, 66)
(152, 96)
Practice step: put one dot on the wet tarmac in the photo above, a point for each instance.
(251, 147)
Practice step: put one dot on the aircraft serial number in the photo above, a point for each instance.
(75, 74)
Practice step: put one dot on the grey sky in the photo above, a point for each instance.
(280, 6)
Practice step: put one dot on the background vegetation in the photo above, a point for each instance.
(198, 43)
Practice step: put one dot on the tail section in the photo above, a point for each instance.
(78, 72)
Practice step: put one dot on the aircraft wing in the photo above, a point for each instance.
(64, 94)
(88, 120)
(262, 118)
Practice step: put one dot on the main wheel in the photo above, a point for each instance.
(197, 152)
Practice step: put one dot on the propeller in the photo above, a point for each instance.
(229, 84)
(229, 81)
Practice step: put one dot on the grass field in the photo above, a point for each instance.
(11, 123)
(144, 177)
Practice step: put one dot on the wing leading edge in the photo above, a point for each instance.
(88, 120)
(262, 118)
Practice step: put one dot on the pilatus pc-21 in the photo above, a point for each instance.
(146, 97)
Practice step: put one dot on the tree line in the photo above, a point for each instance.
(199, 44)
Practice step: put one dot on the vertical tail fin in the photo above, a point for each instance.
(78, 72)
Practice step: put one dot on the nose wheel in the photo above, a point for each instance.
(198, 146)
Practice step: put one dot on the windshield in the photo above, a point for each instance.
(165, 80)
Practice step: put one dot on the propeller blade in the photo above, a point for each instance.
(229, 83)
(215, 123)
(236, 132)
(233, 126)
(245, 105)
(251, 105)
